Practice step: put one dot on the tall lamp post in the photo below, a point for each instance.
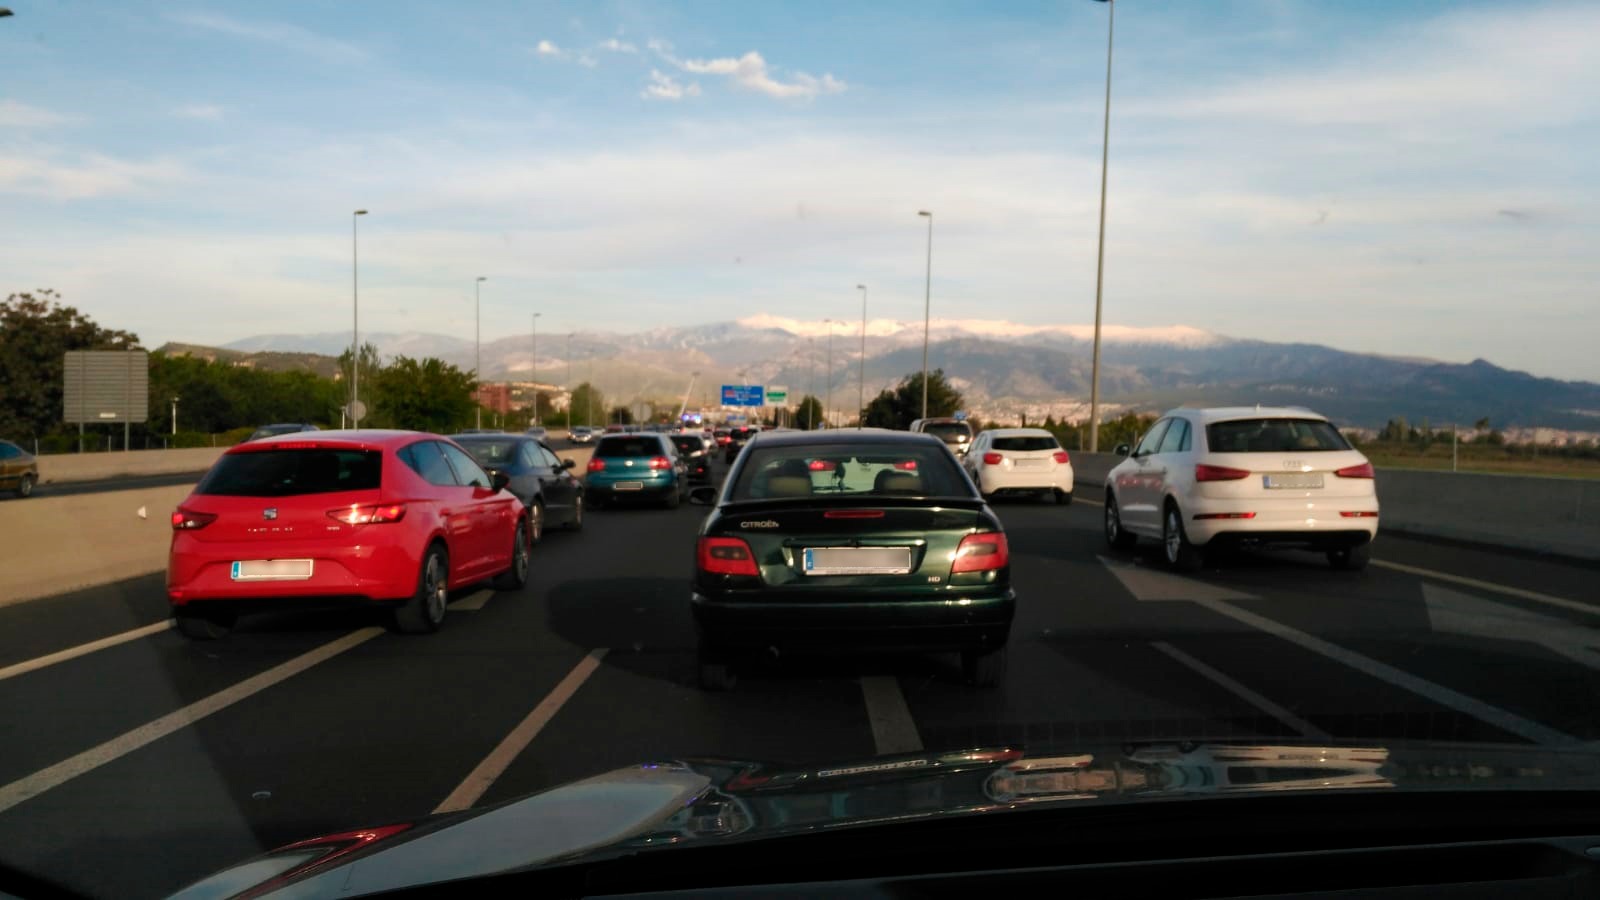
(927, 303)
(533, 367)
(861, 391)
(477, 347)
(811, 382)
(827, 404)
(355, 321)
(1100, 257)
(569, 382)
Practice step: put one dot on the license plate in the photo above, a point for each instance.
(1293, 481)
(271, 569)
(857, 560)
(628, 486)
(1030, 463)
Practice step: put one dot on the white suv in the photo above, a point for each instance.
(1202, 479)
(1020, 461)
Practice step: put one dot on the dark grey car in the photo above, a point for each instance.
(543, 482)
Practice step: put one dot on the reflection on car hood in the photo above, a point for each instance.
(667, 804)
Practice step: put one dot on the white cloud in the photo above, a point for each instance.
(89, 175)
(616, 46)
(206, 111)
(587, 61)
(288, 37)
(549, 50)
(659, 46)
(21, 115)
(751, 72)
(665, 87)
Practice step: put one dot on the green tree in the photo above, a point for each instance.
(899, 407)
(371, 365)
(588, 405)
(808, 414)
(621, 415)
(425, 395)
(35, 332)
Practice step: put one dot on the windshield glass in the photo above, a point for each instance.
(949, 432)
(847, 470)
(1274, 436)
(491, 453)
(628, 447)
(282, 473)
(1026, 443)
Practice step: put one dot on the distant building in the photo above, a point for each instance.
(495, 396)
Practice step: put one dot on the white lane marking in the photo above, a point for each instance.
(1454, 612)
(1149, 585)
(43, 780)
(61, 656)
(1506, 589)
(1077, 499)
(499, 759)
(1214, 599)
(893, 730)
(1228, 683)
(474, 602)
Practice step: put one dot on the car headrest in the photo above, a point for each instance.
(891, 481)
(788, 486)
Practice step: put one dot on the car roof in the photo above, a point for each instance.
(845, 436)
(1226, 413)
(497, 436)
(1019, 432)
(368, 438)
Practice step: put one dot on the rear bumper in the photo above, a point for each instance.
(201, 572)
(606, 491)
(1288, 521)
(982, 622)
(996, 480)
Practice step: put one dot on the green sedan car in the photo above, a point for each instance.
(850, 540)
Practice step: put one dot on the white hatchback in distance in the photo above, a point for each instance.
(1020, 461)
(1206, 479)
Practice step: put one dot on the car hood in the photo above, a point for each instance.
(698, 801)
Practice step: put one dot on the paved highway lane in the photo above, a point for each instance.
(133, 768)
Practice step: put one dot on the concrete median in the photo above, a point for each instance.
(101, 466)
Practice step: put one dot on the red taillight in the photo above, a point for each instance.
(820, 465)
(853, 514)
(722, 439)
(1204, 472)
(189, 520)
(1248, 515)
(983, 552)
(725, 556)
(375, 514)
(1062, 457)
(992, 459)
(660, 462)
(1362, 471)
(1359, 515)
(596, 465)
(906, 465)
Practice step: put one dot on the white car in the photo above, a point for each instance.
(1205, 479)
(1020, 461)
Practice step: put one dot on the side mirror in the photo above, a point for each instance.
(568, 463)
(498, 480)
(704, 496)
(1122, 450)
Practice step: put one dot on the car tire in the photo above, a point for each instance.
(1181, 555)
(1063, 498)
(536, 522)
(1350, 559)
(513, 578)
(1117, 537)
(25, 486)
(205, 626)
(576, 522)
(714, 671)
(423, 611)
(984, 668)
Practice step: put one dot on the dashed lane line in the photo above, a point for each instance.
(893, 729)
(61, 656)
(1506, 589)
(1238, 689)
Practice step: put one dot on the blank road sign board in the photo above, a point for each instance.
(105, 386)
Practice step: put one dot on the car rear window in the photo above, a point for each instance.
(283, 473)
(688, 443)
(1274, 436)
(491, 453)
(1026, 444)
(613, 447)
(949, 432)
(848, 470)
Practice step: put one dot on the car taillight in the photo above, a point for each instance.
(1362, 471)
(660, 462)
(375, 514)
(981, 553)
(820, 465)
(1359, 514)
(189, 520)
(992, 459)
(1062, 457)
(1234, 515)
(725, 556)
(596, 465)
(906, 465)
(1203, 472)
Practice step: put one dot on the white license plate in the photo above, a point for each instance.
(1299, 481)
(856, 560)
(628, 486)
(1030, 463)
(271, 570)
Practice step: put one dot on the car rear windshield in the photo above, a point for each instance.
(689, 443)
(491, 453)
(949, 432)
(628, 446)
(1026, 443)
(283, 473)
(1274, 436)
(848, 470)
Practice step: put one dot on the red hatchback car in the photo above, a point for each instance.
(397, 518)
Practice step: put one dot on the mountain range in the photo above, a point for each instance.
(1005, 368)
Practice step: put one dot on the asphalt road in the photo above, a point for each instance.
(131, 769)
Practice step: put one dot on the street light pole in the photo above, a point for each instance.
(927, 303)
(569, 382)
(355, 316)
(828, 403)
(811, 381)
(1100, 258)
(861, 391)
(174, 415)
(533, 368)
(477, 348)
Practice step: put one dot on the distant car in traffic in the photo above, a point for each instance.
(636, 467)
(956, 433)
(696, 455)
(19, 470)
(720, 436)
(866, 539)
(541, 480)
(738, 436)
(266, 431)
(391, 518)
(581, 434)
(1201, 480)
(537, 432)
(1027, 461)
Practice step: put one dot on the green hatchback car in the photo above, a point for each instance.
(855, 540)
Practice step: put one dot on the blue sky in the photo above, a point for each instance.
(1405, 178)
